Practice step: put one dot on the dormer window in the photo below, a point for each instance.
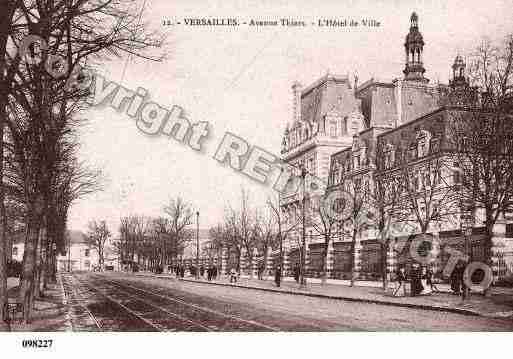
(336, 173)
(363, 156)
(389, 155)
(423, 141)
(356, 160)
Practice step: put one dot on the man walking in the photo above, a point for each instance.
(296, 272)
(277, 276)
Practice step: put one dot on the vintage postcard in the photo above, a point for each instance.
(254, 166)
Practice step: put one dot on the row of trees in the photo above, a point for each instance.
(40, 99)
(245, 230)
(154, 242)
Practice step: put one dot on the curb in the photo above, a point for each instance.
(335, 297)
(69, 323)
(348, 299)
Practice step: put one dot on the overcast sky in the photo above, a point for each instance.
(239, 79)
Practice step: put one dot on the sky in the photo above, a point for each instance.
(239, 80)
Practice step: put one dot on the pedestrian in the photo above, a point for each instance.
(202, 271)
(277, 276)
(296, 272)
(455, 283)
(416, 285)
(233, 276)
(209, 273)
(400, 279)
(260, 271)
(214, 274)
(430, 280)
(461, 280)
(182, 271)
(426, 287)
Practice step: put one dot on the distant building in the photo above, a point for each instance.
(79, 255)
(18, 247)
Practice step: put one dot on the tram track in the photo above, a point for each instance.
(80, 316)
(152, 315)
(228, 320)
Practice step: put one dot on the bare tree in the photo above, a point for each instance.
(351, 210)
(266, 234)
(7, 9)
(382, 204)
(428, 197)
(285, 225)
(97, 235)
(480, 135)
(324, 223)
(180, 218)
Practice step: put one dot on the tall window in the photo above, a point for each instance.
(333, 129)
(86, 253)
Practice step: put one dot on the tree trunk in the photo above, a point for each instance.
(488, 249)
(353, 256)
(7, 10)
(384, 264)
(29, 263)
(39, 259)
(4, 325)
(325, 264)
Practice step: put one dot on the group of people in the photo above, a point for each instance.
(179, 270)
(420, 278)
(211, 271)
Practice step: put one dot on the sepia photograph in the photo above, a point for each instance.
(256, 167)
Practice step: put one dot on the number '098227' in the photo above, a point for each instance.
(37, 343)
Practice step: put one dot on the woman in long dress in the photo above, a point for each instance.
(426, 288)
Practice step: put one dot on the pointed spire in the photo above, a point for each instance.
(414, 46)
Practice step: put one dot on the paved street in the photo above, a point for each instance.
(123, 302)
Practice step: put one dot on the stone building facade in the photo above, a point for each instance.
(338, 126)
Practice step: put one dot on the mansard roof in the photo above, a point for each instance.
(323, 96)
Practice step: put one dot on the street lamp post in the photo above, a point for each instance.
(302, 280)
(467, 223)
(197, 245)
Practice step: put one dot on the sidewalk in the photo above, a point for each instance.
(50, 314)
(498, 305)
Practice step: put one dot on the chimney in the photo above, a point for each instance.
(296, 102)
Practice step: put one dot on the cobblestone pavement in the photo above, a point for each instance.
(224, 308)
